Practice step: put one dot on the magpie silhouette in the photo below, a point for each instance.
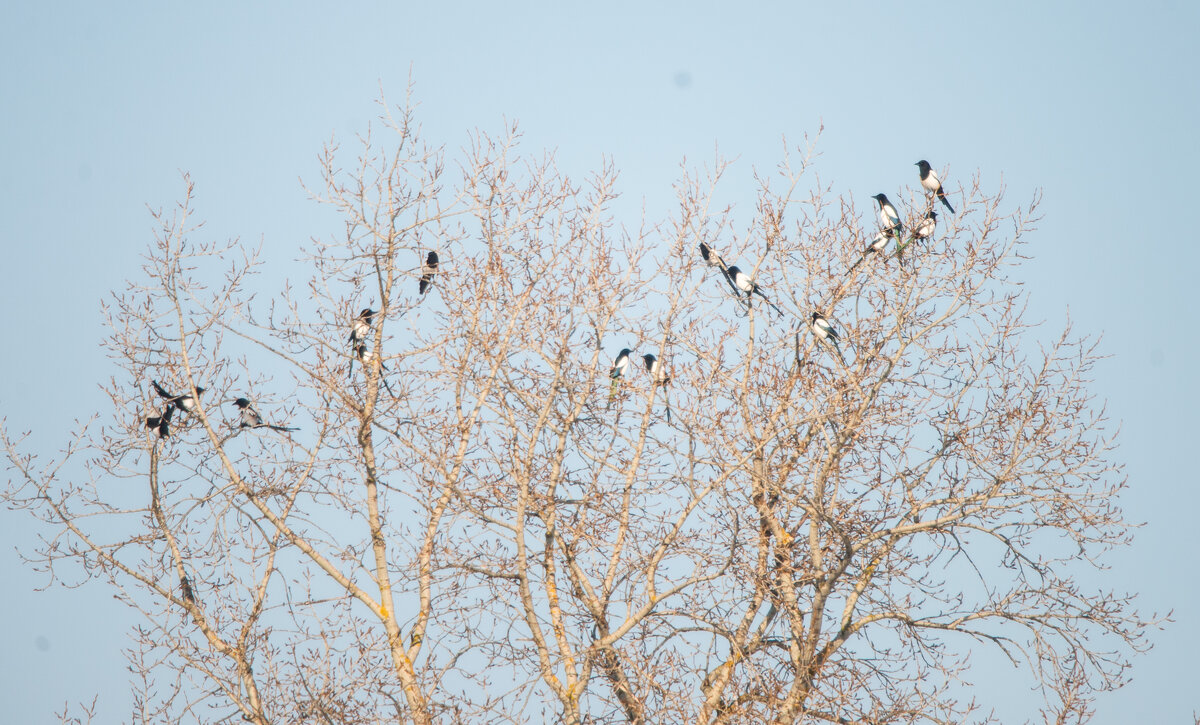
(185, 588)
(923, 230)
(889, 218)
(825, 333)
(619, 368)
(744, 283)
(162, 422)
(251, 418)
(876, 245)
(361, 326)
(931, 182)
(360, 329)
(712, 259)
(184, 402)
(428, 272)
(365, 356)
(658, 378)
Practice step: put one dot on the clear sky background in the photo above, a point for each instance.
(1096, 104)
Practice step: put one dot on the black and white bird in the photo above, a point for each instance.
(875, 246)
(745, 283)
(658, 375)
(926, 226)
(931, 182)
(923, 230)
(428, 272)
(184, 402)
(825, 333)
(619, 368)
(251, 418)
(889, 218)
(162, 421)
(366, 356)
(658, 378)
(185, 589)
(360, 328)
(712, 259)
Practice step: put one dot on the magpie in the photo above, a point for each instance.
(185, 587)
(251, 418)
(744, 283)
(365, 356)
(712, 259)
(619, 368)
(162, 421)
(825, 332)
(428, 272)
(888, 216)
(876, 245)
(931, 182)
(184, 402)
(361, 326)
(924, 230)
(658, 377)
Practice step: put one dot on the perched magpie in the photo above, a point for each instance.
(923, 230)
(361, 326)
(712, 259)
(743, 282)
(365, 356)
(876, 245)
(889, 218)
(931, 182)
(428, 272)
(658, 377)
(184, 402)
(185, 588)
(619, 368)
(251, 418)
(825, 333)
(657, 374)
(162, 421)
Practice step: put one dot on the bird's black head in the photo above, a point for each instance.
(817, 316)
(734, 271)
(624, 352)
(704, 251)
(199, 389)
(432, 259)
(241, 402)
(933, 215)
(366, 314)
(881, 198)
(924, 166)
(649, 360)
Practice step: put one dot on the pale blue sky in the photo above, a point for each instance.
(1095, 104)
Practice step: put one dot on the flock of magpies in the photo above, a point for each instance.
(360, 329)
(741, 283)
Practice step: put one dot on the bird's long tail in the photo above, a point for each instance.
(837, 348)
(942, 195)
(769, 302)
(282, 428)
(386, 385)
(729, 280)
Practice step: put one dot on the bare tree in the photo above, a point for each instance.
(483, 520)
